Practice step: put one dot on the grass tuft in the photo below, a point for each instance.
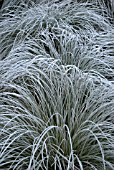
(57, 85)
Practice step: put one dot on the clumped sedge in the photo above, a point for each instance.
(26, 20)
(57, 86)
(55, 117)
(67, 31)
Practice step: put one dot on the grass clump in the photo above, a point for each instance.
(56, 117)
(57, 86)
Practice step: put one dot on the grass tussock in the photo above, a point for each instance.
(57, 85)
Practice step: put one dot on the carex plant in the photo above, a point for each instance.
(57, 85)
